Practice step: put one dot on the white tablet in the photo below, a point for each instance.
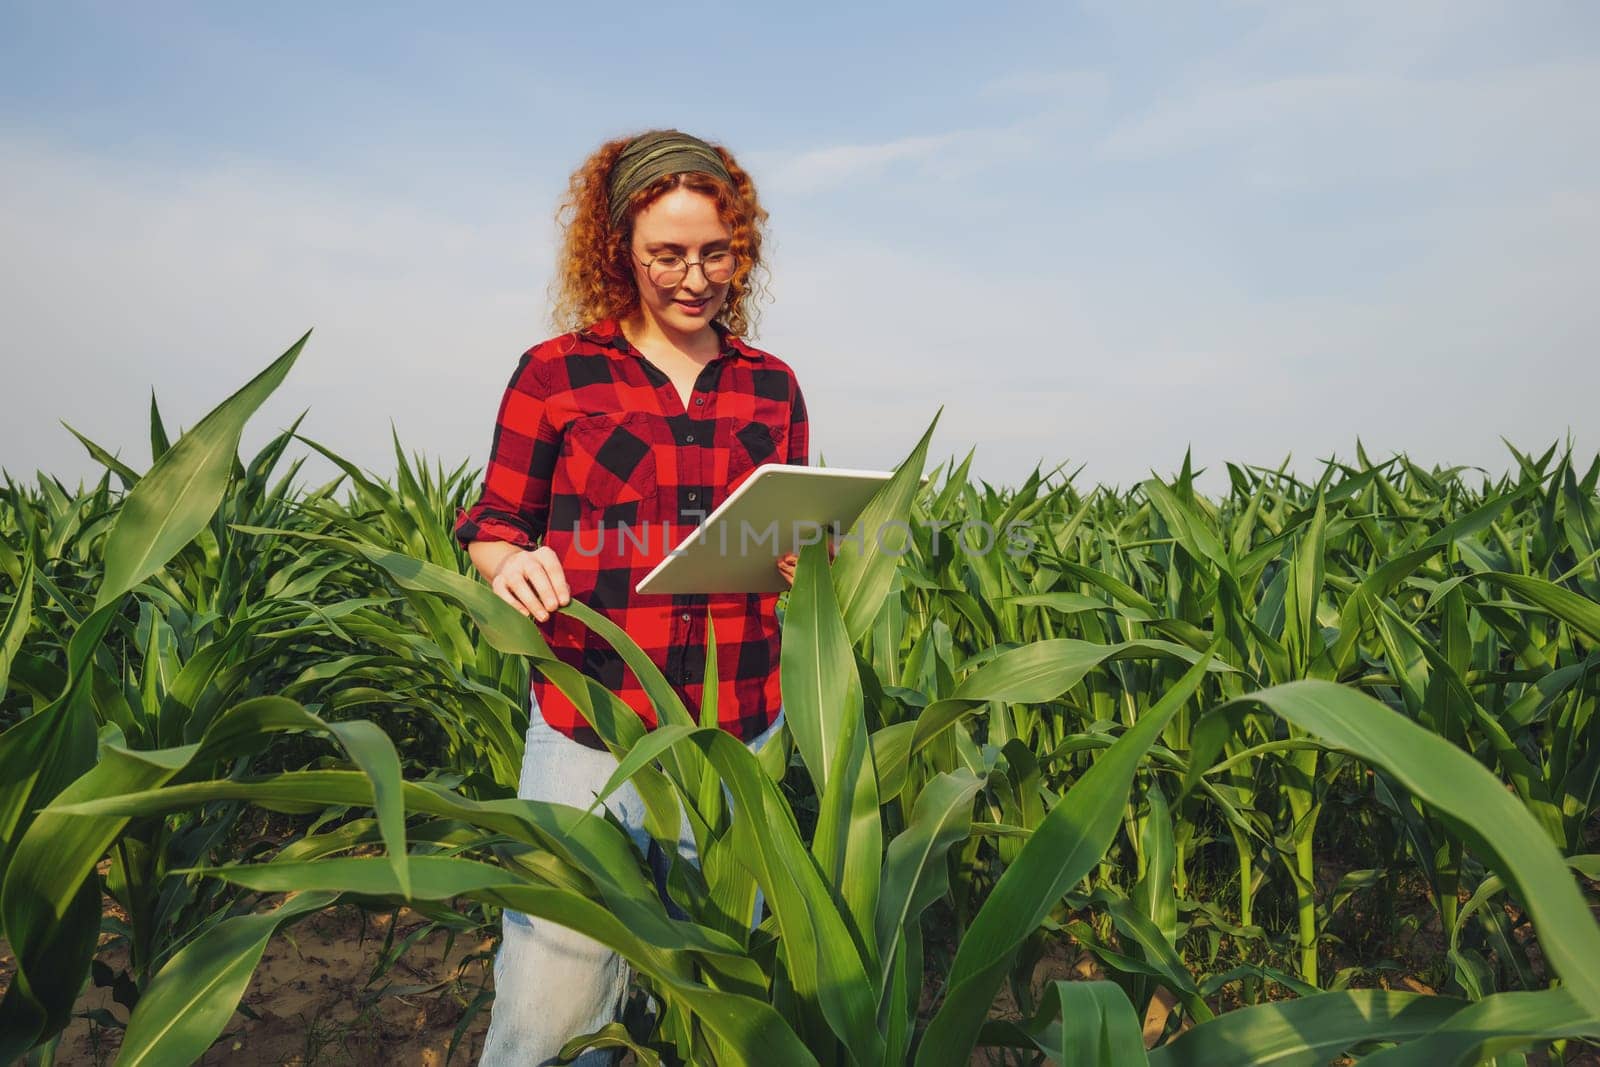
(773, 512)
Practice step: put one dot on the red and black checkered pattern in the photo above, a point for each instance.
(596, 456)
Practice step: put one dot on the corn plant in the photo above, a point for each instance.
(1056, 744)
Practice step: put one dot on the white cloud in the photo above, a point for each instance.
(1332, 128)
(817, 169)
(1056, 102)
(1489, 333)
(128, 279)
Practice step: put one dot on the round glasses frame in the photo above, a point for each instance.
(660, 275)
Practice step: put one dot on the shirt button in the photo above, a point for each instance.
(686, 616)
(691, 496)
(699, 400)
(689, 438)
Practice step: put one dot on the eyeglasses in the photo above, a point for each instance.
(670, 270)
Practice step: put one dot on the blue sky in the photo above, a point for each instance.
(1097, 234)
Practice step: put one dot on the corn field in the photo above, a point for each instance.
(1248, 760)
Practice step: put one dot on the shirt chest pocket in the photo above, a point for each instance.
(754, 443)
(613, 459)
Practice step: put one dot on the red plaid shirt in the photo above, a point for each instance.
(591, 432)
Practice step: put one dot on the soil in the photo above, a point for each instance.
(313, 999)
(313, 1003)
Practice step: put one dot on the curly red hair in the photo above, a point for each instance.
(595, 277)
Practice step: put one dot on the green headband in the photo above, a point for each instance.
(649, 157)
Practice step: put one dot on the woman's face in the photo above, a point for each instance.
(682, 223)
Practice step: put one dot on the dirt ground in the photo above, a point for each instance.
(312, 1000)
(313, 1004)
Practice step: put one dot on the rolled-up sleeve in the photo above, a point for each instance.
(515, 503)
(799, 430)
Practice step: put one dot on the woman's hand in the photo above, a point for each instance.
(787, 564)
(532, 582)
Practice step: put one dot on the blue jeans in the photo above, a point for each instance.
(551, 983)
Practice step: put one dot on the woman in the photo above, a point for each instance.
(613, 441)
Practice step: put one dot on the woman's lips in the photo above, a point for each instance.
(693, 308)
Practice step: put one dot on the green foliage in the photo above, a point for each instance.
(1226, 750)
